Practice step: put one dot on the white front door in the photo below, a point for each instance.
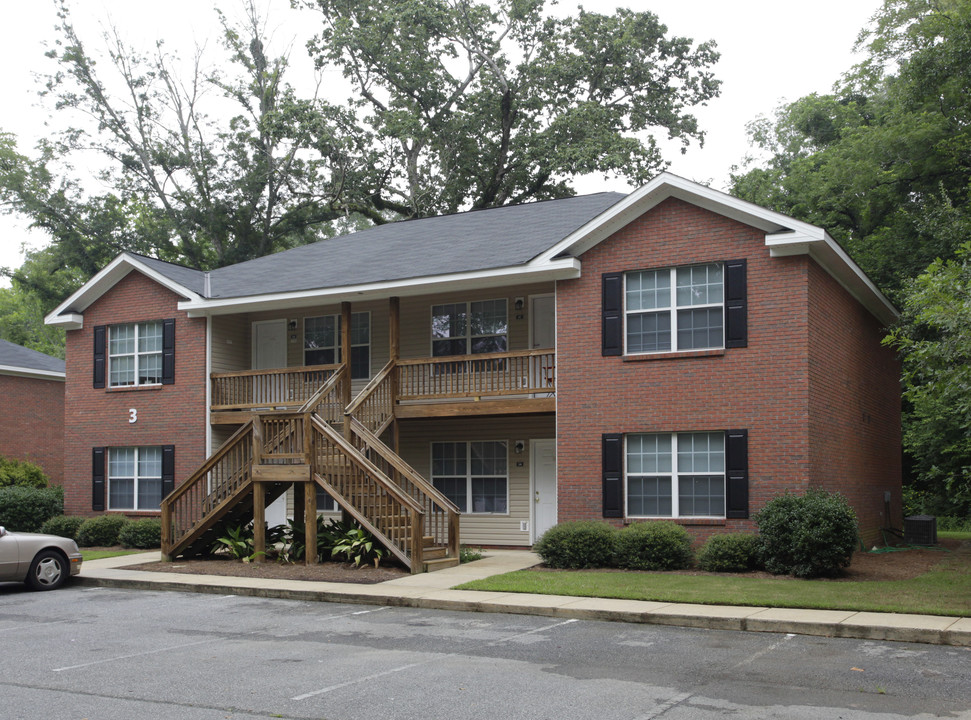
(269, 352)
(542, 474)
(269, 344)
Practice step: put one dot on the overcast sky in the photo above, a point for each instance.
(771, 51)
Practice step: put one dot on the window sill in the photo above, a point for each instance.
(709, 522)
(674, 355)
(133, 388)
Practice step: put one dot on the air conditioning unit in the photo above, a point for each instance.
(920, 530)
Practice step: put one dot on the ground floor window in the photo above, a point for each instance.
(675, 475)
(134, 478)
(325, 503)
(473, 475)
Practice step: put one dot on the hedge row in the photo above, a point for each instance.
(809, 535)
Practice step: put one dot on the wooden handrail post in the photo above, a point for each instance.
(346, 350)
(166, 532)
(417, 543)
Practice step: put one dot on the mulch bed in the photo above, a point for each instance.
(901, 565)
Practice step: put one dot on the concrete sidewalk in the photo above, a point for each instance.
(433, 590)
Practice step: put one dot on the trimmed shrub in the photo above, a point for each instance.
(653, 546)
(101, 531)
(145, 534)
(730, 552)
(20, 473)
(26, 509)
(583, 544)
(63, 526)
(811, 535)
(951, 523)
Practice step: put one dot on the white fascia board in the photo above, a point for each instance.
(68, 321)
(832, 258)
(101, 283)
(662, 187)
(534, 271)
(32, 373)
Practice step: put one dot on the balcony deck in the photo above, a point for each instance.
(509, 383)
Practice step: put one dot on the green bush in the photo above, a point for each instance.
(62, 526)
(731, 552)
(653, 546)
(145, 534)
(18, 473)
(583, 544)
(811, 535)
(26, 509)
(951, 523)
(101, 531)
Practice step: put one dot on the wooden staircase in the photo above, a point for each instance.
(331, 446)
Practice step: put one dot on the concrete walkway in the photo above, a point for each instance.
(433, 590)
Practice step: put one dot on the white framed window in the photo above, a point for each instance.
(675, 474)
(322, 342)
(675, 309)
(135, 354)
(134, 478)
(473, 475)
(470, 328)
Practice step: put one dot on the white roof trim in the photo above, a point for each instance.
(784, 235)
(68, 313)
(534, 271)
(31, 373)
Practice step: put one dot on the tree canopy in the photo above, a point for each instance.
(453, 105)
(884, 162)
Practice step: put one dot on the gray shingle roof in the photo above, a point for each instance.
(188, 278)
(460, 243)
(12, 355)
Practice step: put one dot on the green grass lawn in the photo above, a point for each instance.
(945, 590)
(98, 554)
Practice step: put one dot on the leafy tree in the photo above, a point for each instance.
(884, 163)
(934, 339)
(465, 104)
(22, 322)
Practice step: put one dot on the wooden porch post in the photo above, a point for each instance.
(394, 344)
(310, 522)
(346, 360)
(259, 521)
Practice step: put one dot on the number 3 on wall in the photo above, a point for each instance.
(132, 415)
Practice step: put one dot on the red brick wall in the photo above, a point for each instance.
(32, 422)
(167, 414)
(854, 401)
(764, 387)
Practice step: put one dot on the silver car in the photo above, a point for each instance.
(44, 562)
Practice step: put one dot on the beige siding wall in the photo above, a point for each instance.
(416, 437)
(416, 316)
(230, 343)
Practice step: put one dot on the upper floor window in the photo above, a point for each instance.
(322, 342)
(135, 354)
(470, 328)
(675, 309)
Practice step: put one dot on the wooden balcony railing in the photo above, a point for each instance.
(280, 388)
(527, 372)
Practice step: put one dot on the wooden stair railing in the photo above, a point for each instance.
(327, 403)
(441, 515)
(192, 507)
(374, 405)
(368, 495)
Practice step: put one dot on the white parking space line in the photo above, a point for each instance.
(156, 651)
(764, 651)
(31, 626)
(437, 658)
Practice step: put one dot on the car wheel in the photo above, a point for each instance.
(48, 571)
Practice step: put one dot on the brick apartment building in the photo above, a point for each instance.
(32, 408)
(675, 353)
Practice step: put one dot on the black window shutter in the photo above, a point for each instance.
(736, 304)
(168, 469)
(736, 477)
(98, 478)
(168, 352)
(613, 476)
(100, 342)
(613, 314)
